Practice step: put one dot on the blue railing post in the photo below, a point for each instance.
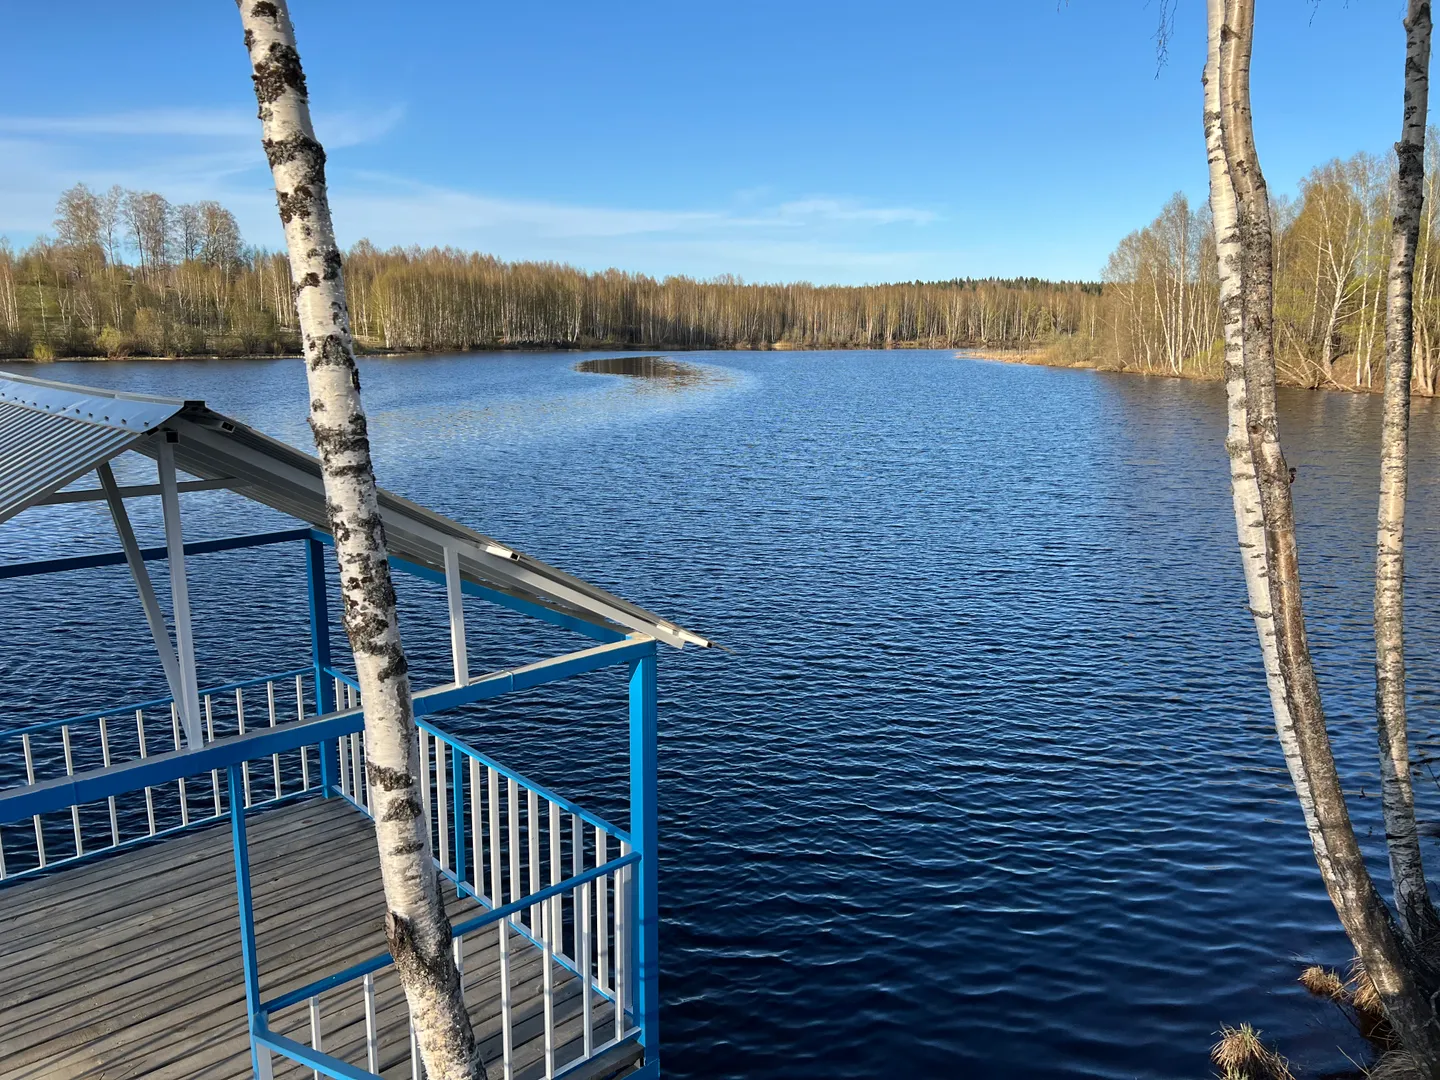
(247, 908)
(644, 832)
(320, 658)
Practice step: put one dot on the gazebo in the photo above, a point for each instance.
(139, 935)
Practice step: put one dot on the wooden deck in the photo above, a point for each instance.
(130, 966)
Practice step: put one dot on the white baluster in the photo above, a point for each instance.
(317, 1041)
(532, 831)
(240, 722)
(70, 771)
(477, 831)
(300, 716)
(602, 913)
(584, 949)
(30, 778)
(149, 795)
(547, 933)
(492, 785)
(512, 810)
(507, 1037)
(275, 758)
(175, 729)
(210, 737)
(425, 783)
(372, 1040)
(622, 940)
(442, 800)
(105, 759)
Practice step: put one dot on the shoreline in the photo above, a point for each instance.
(1042, 356)
(395, 354)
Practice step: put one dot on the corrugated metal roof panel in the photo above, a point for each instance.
(42, 452)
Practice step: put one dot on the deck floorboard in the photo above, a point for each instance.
(130, 965)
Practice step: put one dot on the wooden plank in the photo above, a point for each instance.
(131, 965)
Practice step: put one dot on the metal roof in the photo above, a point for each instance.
(51, 433)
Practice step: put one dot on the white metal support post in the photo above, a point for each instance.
(188, 701)
(153, 615)
(453, 584)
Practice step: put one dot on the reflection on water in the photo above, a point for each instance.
(662, 372)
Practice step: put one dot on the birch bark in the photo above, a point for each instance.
(1366, 919)
(1244, 489)
(416, 926)
(1417, 915)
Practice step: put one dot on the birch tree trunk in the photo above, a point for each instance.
(416, 926)
(1244, 489)
(1417, 915)
(1362, 912)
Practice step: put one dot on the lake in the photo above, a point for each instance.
(988, 785)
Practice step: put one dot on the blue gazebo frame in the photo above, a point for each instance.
(331, 725)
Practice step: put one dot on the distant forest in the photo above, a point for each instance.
(130, 274)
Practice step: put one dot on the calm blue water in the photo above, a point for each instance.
(988, 786)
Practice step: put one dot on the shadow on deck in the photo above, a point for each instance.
(131, 966)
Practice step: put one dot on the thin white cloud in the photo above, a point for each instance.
(847, 210)
(336, 129)
(425, 207)
(190, 154)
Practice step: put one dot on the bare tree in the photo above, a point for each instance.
(416, 926)
(77, 217)
(188, 231)
(110, 207)
(1394, 968)
(219, 235)
(148, 216)
(1417, 915)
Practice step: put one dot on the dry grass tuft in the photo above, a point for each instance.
(1240, 1055)
(1396, 1065)
(1364, 998)
(1324, 983)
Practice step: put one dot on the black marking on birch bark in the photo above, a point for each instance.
(332, 271)
(329, 351)
(350, 438)
(387, 779)
(419, 962)
(249, 38)
(278, 73)
(299, 202)
(298, 147)
(264, 9)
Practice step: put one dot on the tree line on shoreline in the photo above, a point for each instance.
(124, 275)
(130, 274)
(1332, 254)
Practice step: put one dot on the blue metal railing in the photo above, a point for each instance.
(564, 881)
(58, 750)
(611, 878)
(551, 875)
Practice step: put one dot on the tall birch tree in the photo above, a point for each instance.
(416, 926)
(1417, 914)
(1244, 488)
(1395, 969)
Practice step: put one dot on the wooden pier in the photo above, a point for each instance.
(131, 965)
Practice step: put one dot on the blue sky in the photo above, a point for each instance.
(777, 140)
